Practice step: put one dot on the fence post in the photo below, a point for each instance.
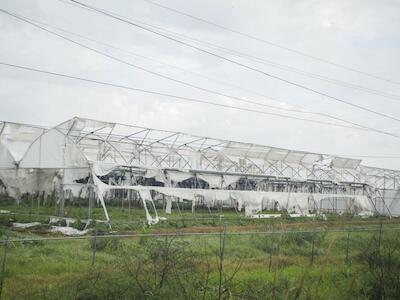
(347, 247)
(380, 236)
(312, 249)
(129, 204)
(221, 260)
(272, 248)
(94, 244)
(90, 205)
(3, 268)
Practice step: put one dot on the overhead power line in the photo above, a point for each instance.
(247, 35)
(173, 79)
(188, 99)
(264, 61)
(312, 90)
(217, 80)
(269, 63)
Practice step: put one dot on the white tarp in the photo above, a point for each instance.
(102, 168)
(7, 161)
(230, 179)
(53, 150)
(252, 201)
(177, 176)
(270, 153)
(215, 181)
(157, 174)
(345, 163)
(20, 181)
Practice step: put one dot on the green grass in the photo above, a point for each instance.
(283, 265)
(132, 268)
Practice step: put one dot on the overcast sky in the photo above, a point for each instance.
(364, 35)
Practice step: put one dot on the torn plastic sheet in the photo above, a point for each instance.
(157, 174)
(230, 179)
(146, 196)
(214, 181)
(102, 168)
(300, 203)
(252, 201)
(26, 225)
(69, 231)
(101, 189)
(168, 206)
(21, 181)
(177, 176)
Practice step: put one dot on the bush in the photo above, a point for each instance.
(104, 243)
(380, 259)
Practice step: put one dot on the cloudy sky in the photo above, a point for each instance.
(359, 34)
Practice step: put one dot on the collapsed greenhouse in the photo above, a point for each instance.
(95, 160)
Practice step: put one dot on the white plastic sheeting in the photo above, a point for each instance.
(177, 176)
(18, 137)
(53, 150)
(101, 189)
(392, 201)
(252, 201)
(173, 177)
(270, 153)
(157, 174)
(345, 163)
(79, 146)
(215, 181)
(102, 168)
(7, 161)
(230, 179)
(146, 197)
(20, 181)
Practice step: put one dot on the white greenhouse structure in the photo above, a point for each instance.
(98, 161)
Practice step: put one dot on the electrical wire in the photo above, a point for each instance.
(173, 79)
(268, 62)
(184, 98)
(231, 52)
(187, 99)
(247, 35)
(136, 55)
(312, 90)
(215, 233)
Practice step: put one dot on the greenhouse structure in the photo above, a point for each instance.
(96, 161)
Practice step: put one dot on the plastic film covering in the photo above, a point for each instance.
(270, 153)
(17, 138)
(252, 201)
(53, 150)
(345, 163)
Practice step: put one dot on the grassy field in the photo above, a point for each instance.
(269, 259)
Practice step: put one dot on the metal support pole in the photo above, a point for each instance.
(347, 246)
(62, 202)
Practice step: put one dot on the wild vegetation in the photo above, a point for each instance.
(204, 256)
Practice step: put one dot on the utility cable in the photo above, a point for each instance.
(247, 35)
(125, 20)
(187, 99)
(173, 79)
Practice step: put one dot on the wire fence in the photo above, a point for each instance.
(55, 264)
